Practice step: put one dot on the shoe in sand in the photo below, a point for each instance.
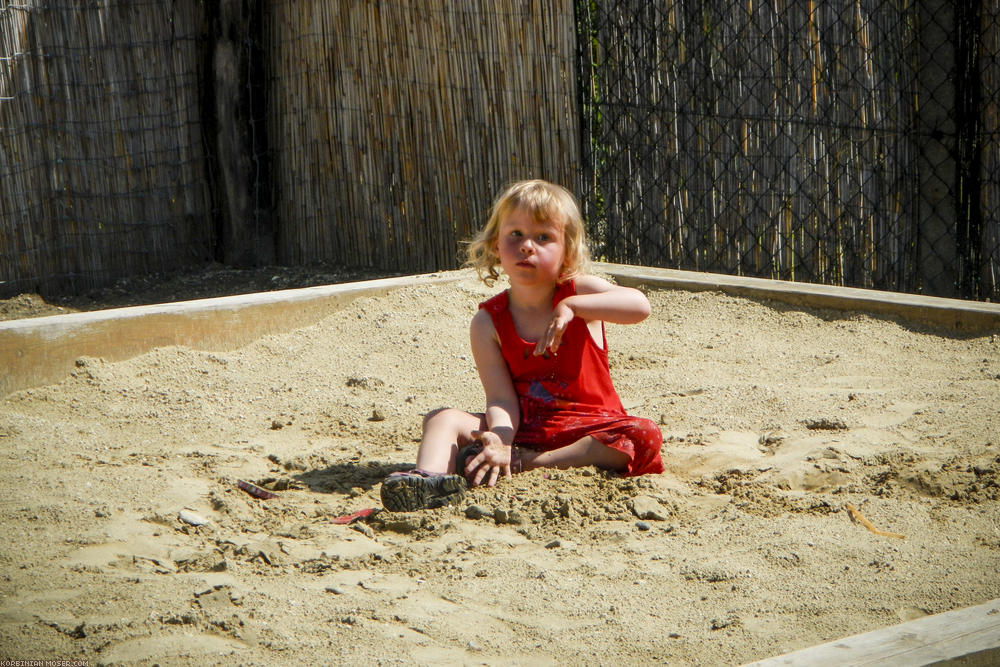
(417, 489)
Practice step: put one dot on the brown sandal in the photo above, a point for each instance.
(464, 454)
(516, 462)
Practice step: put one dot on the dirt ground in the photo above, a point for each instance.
(775, 419)
(214, 280)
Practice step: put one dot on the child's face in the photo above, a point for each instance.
(530, 251)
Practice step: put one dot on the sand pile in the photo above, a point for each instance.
(128, 539)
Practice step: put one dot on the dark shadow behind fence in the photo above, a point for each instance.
(847, 142)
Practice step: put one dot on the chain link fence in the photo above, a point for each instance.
(848, 142)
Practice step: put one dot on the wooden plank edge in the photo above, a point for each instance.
(969, 636)
(43, 350)
(957, 315)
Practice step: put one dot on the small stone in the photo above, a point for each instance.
(476, 512)
(645, 507)
(642, 525)
(189, 517)
(336, 590)
(507, 516)
(364, 529)
(377, 415)
(559, 544)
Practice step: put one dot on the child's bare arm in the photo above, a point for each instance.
(502, 411)
(502, 407)
(595, 299)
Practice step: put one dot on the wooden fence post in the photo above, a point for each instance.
(244, 235)
(936, 214)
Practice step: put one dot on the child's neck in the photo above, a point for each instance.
(531, 297)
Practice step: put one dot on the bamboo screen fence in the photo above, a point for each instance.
(394, 124)
(102, 170)
(850, 142)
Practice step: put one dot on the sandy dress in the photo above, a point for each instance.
(569, 395)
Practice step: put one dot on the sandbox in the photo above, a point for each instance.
(776, 417)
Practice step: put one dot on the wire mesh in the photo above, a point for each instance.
(103, 169)
(847, 142)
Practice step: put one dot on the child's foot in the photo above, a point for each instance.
(416, 490)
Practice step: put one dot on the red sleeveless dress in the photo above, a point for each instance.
(569, 395)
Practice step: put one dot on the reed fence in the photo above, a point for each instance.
(850, 142)
(102, 167)
(393, 124)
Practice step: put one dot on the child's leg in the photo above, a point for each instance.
(432, 484)
(445, 431)
(633, 449)
(587, 451)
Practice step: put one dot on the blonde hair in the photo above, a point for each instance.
(545, 202)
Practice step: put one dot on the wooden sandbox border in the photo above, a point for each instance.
(972, 317)
(43, 350)
(969, 637)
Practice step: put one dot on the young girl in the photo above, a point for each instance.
(542, 357)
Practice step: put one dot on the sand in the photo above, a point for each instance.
(774, 420)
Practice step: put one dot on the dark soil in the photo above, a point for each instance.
(215, 280)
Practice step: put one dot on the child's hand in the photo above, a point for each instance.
(562, 315)
(491, 462)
